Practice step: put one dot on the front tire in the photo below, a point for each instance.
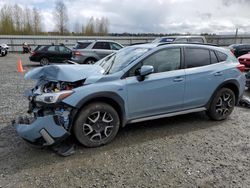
(97, 124)
(222, 104)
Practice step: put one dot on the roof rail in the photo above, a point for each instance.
(205, 44)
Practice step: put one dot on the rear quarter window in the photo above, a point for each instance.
(82, 45)
(213, 57)
(221, 56)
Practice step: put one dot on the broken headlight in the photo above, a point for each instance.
(51, 98)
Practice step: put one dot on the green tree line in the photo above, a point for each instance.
(19, 21)
(15, 20)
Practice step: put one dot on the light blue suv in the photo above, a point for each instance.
(137, 83)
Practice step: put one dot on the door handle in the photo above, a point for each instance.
(178, 79)
(218, 74)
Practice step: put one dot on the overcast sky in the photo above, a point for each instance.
(158, 16)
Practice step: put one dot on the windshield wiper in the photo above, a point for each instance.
(110, 66)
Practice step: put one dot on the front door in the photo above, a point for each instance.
(162, 91)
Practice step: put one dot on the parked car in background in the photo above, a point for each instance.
(46, 54)
(239, 49)
(4, 49)
(137, 83)
(187, 39)
(85, 52)
(245, 60)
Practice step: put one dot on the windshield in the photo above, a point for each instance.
(119, 60)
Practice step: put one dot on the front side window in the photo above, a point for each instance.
(102, 45)
(195, 57)
(162, 61)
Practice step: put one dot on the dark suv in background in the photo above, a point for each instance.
(46, 54)
(88, 52)
(239, 49)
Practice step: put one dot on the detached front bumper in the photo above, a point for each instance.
(42, 131)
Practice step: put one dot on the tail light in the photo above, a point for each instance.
(33, 53)
(241, 67)
(77, 53)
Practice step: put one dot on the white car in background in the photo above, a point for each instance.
(4, 49)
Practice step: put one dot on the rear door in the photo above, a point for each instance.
(203, 76)
(102, 49)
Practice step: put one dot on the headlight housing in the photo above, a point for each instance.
(51, 98)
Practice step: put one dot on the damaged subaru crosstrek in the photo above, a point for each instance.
(137, 83)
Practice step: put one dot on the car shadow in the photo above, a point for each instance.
(18, 155)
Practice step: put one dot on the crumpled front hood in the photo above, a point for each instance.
(67, 73)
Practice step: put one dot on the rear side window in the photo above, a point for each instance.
(82, 45)
(221, 56)
(196, 40)
(51, 48)
(102, 45)
(195, 57)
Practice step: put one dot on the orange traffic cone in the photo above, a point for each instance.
(20, 66)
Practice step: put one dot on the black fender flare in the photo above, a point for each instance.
(233, 83)
(108, 97)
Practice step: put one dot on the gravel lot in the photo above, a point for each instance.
(183, 151)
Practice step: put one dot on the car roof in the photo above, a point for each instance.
(180, 36)
(198, 45)
(88, 41)
(236, 45)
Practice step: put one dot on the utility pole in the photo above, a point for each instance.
(236, 35)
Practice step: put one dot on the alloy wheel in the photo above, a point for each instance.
(98, 126)
(224, 104)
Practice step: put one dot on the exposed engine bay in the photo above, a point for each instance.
(45, 99)
(52, 87)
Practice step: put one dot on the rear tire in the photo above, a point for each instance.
(222, 104)
(97, 124)
(44, 61)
